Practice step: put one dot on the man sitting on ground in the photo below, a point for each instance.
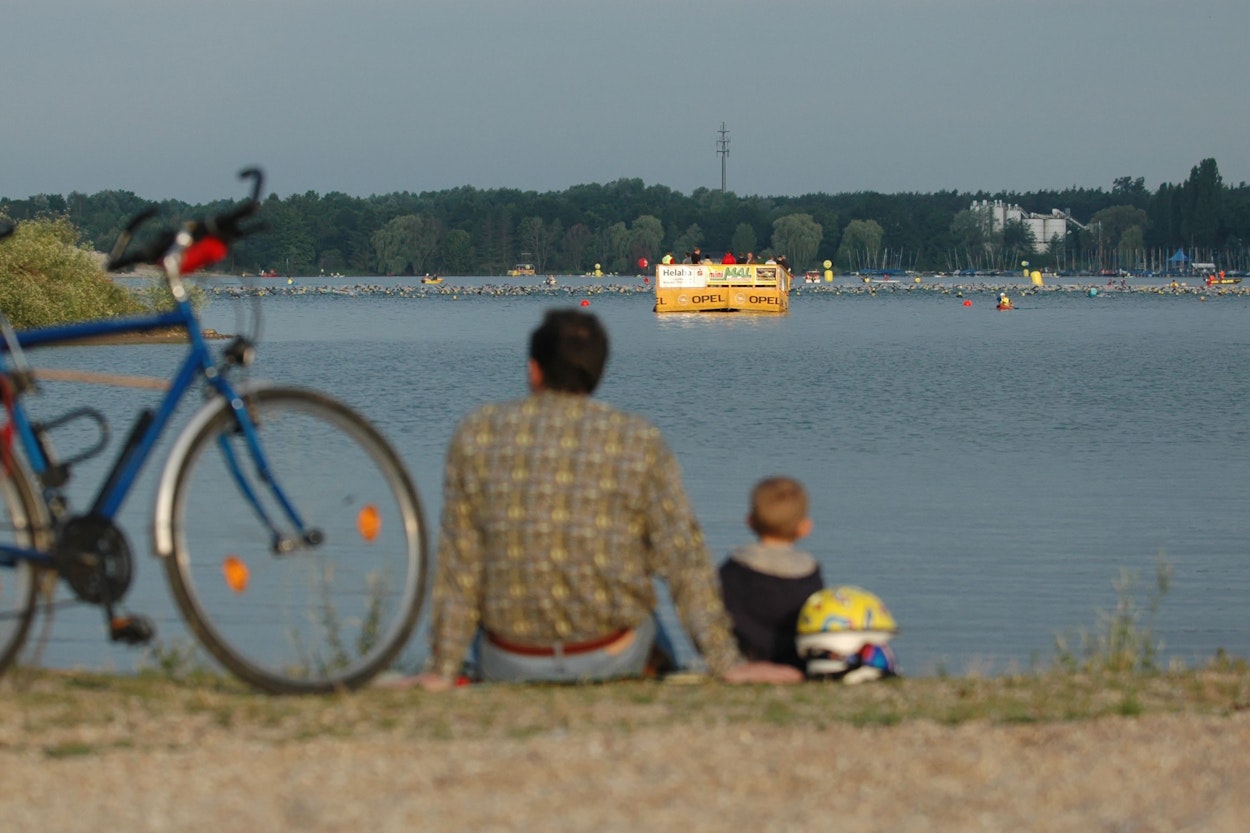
(558, 512)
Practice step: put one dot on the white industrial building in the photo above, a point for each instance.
(1044, 226)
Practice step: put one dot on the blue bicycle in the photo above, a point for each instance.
(290, 532)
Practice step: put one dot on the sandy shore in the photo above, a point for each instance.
(93, 754)
(1157, 774)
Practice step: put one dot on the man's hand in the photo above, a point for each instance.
(762, 672)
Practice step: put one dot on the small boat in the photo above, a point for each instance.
(1221, 279)
(522, 269)
(434, 279)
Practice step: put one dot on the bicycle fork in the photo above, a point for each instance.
(279, 542)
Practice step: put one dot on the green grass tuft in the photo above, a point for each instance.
(1123, 640)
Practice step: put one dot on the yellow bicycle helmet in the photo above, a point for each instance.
(844, 632)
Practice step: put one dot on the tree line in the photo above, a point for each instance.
(471, 231)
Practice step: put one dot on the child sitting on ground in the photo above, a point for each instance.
(766, 583)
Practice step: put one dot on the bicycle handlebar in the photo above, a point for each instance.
(198, 244)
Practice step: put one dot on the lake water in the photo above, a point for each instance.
(987, 474)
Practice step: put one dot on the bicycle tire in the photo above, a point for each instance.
(322, 617)
(23, 521)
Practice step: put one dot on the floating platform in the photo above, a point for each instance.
(715, 287)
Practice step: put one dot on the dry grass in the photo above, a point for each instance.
(76, 713)
(1048, 753)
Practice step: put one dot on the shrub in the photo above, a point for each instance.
(48, 276)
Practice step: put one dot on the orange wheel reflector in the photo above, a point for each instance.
(369, 522)
(236, 573)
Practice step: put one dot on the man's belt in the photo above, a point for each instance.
(565, 648)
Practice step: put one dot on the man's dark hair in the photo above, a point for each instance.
(571, 348)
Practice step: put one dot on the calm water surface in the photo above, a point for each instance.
(987, 474)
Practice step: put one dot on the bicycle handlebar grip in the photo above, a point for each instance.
(145, 254)
(116, 260)
(258, 180)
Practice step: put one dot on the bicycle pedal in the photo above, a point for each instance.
(133, 630)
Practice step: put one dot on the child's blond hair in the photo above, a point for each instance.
(778, 508)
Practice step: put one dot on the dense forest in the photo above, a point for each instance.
(469, 231)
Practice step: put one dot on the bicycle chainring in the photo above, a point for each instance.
(93, 557)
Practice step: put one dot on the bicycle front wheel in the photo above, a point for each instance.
(290, 609)
(21, 523)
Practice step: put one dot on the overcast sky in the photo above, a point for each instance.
(169, 98)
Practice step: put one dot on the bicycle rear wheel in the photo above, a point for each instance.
(21, 519)
(327, 614)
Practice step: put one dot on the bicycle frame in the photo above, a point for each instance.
(148, 427)
(334, 614)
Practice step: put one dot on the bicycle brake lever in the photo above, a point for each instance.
(115, 260)
(258, 179)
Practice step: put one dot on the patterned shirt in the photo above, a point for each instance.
(557, 512)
